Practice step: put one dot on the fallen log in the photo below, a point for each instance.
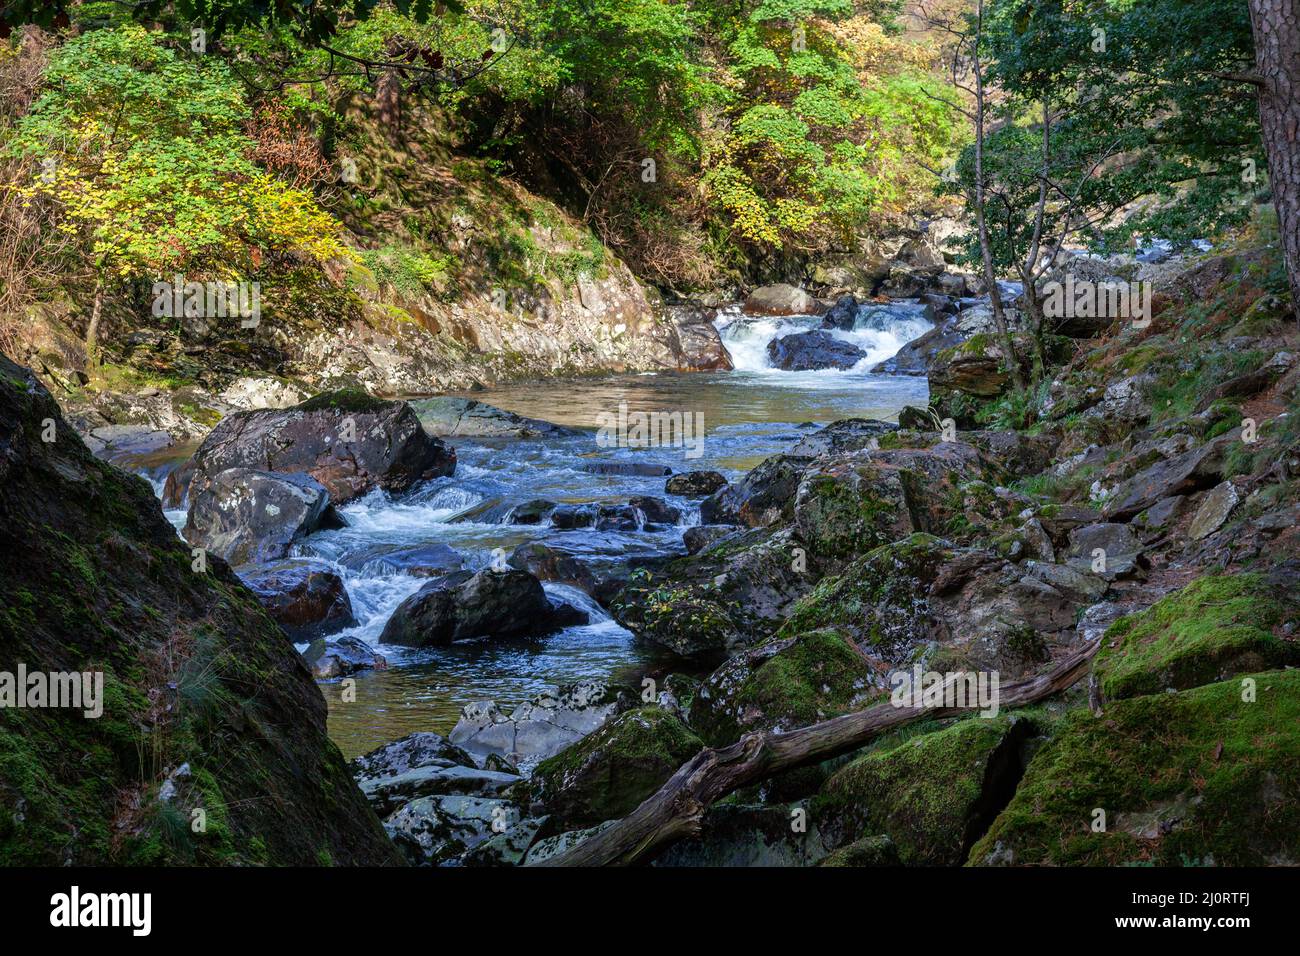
(677, 808)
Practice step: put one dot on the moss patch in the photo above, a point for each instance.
(1217, 626)
(932, 795)
(1193, 778)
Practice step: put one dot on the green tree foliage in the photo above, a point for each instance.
(817, 145)
(145, 150)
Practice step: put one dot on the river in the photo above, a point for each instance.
(748, 414)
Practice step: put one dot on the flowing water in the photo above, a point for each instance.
(748, 414)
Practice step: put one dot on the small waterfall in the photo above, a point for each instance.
(880, 330)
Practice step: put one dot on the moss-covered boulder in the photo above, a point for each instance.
(1203, 776)
(869, 851)
(1214, 628)
(729, 596)
(923, 598)
(208, 713)
(783, 684)
(932, 795)
(609, 772)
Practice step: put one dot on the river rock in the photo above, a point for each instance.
(780, 299)
(638, 469)
(698, 537)
(694, 484)
(307, 598)
(247, 516)
(547, 563)
(762, 497)
(422, 749)
(704, 605)
(610, 771)
(699, 345)
(438, 829)
(347, 441)
(842, 314)
(421, 560)
(542, 726)
(465, 604)
(807, 351)
(330, 658)
(450, 417)
(656, 510)
(530, 512)
(846, 435)
(568, 517)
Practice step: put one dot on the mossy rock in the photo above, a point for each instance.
(1214, 628)
(879, 598)
(344, 400)
(608, 773)
(869, 851)
(781, 685)
(933, 795)
(206, 705)
(1197, 777)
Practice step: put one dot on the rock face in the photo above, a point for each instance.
(780, 299)
(806, 351)
(465, 604)
(449, 417)
(347, 441)
(306, 598)
(247, 516)
(130, 606)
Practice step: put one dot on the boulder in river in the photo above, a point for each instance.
(330, 658)
(842, 314)
(694, 484)
(656, 510)
(450, 417)
(808, 351)
(638, 469)
(348, 441)
(247, 516)
(552, 564)
(780, 299)
(465, 604)
(307, 598)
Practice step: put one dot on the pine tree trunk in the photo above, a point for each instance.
(1276, 26)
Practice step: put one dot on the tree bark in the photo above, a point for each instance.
(1276, 28)
(677, 809)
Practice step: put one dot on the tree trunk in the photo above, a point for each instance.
(1276, 26)
(981, 223)
(92, 327)
(678, 808)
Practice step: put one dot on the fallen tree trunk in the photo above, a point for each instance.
(675, 811)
